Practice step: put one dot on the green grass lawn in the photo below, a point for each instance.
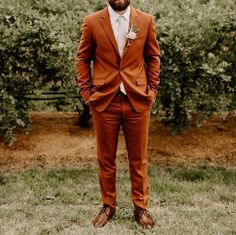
(64, 201)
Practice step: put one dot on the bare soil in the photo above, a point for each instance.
(55, 140)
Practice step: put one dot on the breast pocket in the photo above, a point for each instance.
(141, 37)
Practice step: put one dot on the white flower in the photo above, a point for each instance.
(132, 34)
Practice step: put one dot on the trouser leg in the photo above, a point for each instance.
(107, 125)
(135, 127)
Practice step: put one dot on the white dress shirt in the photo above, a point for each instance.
(114, 19)
(114, 23)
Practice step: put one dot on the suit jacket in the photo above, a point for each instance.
(138, 67)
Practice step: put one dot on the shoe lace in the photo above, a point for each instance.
(141, 211)
(105, 209)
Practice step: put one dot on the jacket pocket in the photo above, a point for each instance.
(98, 82)
(141, 81)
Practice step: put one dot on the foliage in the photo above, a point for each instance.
(197, 39)
(38, 41)
(35, 48)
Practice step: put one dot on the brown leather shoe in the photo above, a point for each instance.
(104, 216)
(143, 218)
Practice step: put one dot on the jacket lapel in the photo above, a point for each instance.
(106, 24)
(133, 21)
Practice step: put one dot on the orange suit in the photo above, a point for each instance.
(138, 68)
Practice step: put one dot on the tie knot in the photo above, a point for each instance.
(121, 19)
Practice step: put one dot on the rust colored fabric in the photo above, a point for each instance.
(100, 70)
(135, 127)
(138, 67)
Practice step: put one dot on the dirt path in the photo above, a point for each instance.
(56, 141)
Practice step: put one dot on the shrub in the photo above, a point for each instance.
(197, 40)
(35, 47)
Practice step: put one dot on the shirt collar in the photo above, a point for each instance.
(114, 16)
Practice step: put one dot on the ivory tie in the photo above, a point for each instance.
(121, 39)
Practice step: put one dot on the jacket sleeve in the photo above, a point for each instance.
(85, 54)
(152, 58)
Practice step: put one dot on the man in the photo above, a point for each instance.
(121, 42)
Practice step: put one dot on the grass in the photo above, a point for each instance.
(64, 201)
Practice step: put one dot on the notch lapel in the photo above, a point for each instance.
(106, 24)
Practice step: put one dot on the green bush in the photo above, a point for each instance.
(38, 42)
(197, 39)
(35, 47)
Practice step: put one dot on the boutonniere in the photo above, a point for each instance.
(131, 35)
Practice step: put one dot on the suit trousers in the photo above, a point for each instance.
(135, 126)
